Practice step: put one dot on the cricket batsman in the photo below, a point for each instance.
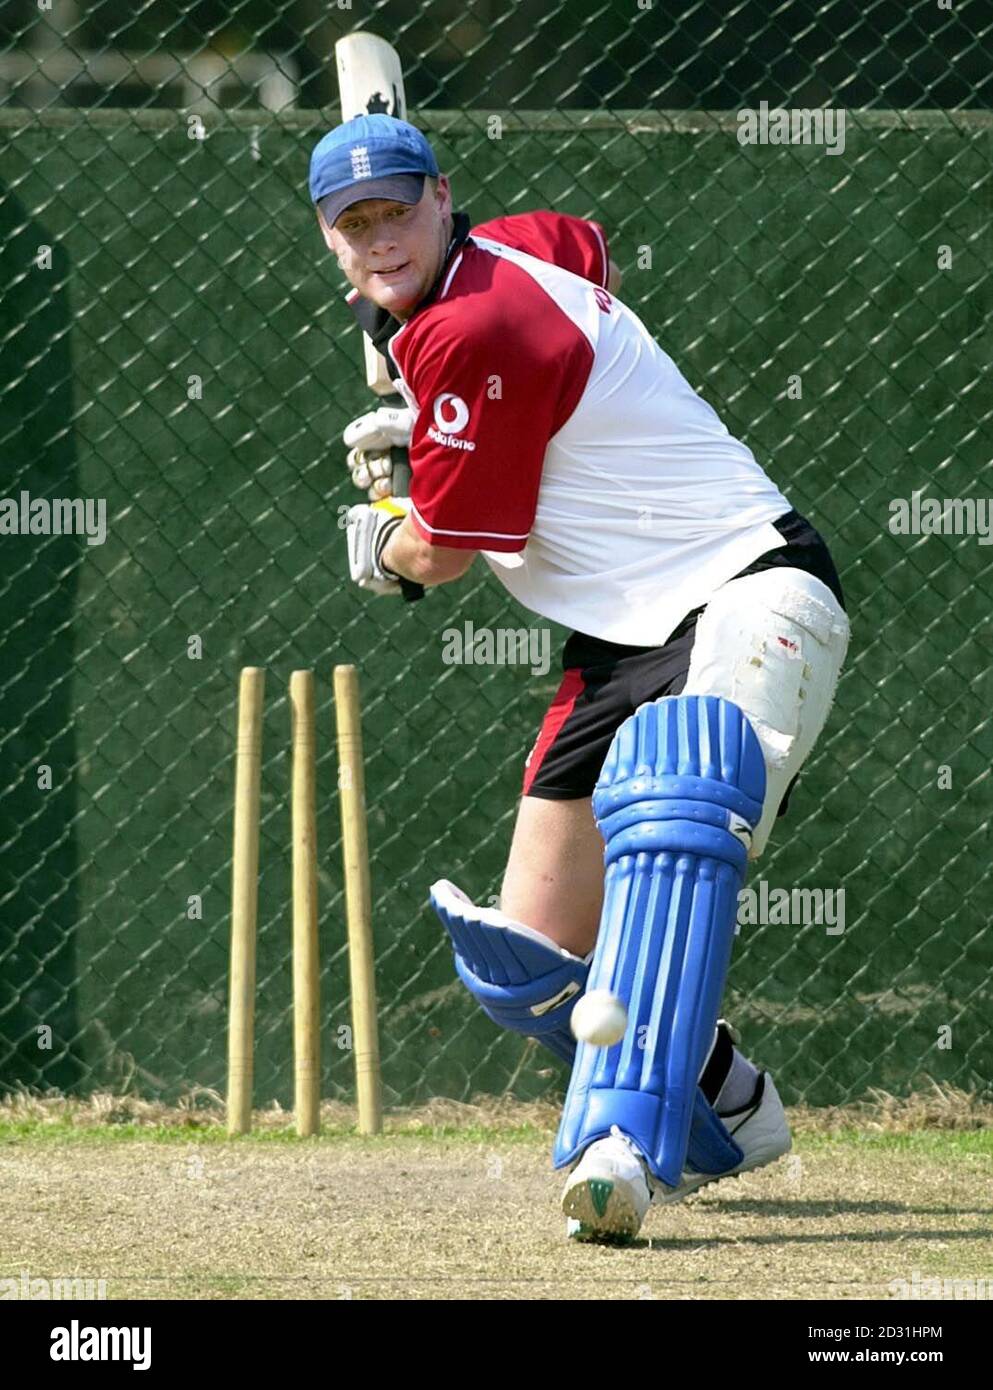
(549, 433)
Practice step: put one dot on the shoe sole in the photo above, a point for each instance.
(600, 1209)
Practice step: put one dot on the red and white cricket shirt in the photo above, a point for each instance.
(553, 434)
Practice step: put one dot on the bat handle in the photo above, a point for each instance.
(409, 588)
(400, 474)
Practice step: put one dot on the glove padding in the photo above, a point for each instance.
(369, 440)
(387, 427)
(369, 529)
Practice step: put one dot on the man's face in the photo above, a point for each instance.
(392, 252)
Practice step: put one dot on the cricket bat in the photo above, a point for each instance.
(370, 80)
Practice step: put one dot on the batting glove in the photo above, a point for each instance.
(371, 471)
(369, 530)
(369, 440)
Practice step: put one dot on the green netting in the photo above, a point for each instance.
(177, 260)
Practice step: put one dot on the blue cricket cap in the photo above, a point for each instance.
(369, 157)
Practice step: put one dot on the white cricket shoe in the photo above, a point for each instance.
(759, 1129)
(607, 1194)
(609, 1191)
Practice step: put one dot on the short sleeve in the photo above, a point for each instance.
(570, 242)
(490, 396)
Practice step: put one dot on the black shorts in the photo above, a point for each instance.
(605, 682)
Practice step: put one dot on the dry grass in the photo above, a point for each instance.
(934, 1107)
(202, 1108)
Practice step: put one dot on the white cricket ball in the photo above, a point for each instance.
(599, 1018)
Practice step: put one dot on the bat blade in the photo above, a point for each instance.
(370, 80)
(377, 375)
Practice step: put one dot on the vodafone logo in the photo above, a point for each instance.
(451, 414)
(603, 300)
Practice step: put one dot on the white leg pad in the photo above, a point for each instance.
(774, 644)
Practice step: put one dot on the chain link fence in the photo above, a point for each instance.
(175, 347)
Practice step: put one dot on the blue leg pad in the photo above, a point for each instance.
(679, 794)
(523, 981)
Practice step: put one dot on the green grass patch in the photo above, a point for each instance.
(70, 1132)
(928, 1143)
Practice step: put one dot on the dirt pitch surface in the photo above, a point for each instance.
(442, 1211)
